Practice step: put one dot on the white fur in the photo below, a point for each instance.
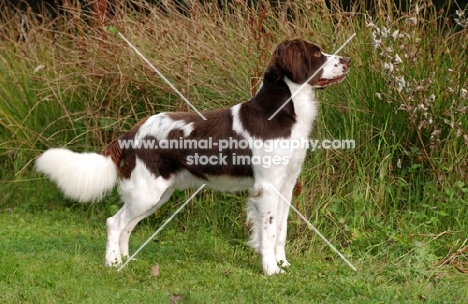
(159, 126)
(185, 180)
(83, 177)
(237, 124)
(333, 68)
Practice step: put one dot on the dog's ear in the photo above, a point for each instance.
(291, 59)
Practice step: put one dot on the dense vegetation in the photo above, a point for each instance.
(401, 196)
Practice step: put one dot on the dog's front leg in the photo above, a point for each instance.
(283, 211)
(266, 201)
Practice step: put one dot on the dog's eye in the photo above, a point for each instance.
(317, 54)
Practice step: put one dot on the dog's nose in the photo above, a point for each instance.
(345, 60)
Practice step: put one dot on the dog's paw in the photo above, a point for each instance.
(272, 268)
(283, 263)
(113, 260)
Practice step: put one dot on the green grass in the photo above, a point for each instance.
(52, 252)
(396, 205)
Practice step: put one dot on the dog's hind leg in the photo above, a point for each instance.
(125, 235)
(142, 194)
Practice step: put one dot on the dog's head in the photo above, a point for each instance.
(299, 59)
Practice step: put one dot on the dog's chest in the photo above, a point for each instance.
(305, 107)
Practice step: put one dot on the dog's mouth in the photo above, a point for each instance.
(323, 82)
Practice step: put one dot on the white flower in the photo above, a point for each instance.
(397, 59)
(384, 32)
(388, 66)
(389, 20)
(369, 23)
(436, 133)
(461, 20)
(462, 109)
(464, 93)
(448, 122)
(401, 83)
(38, 68)
(411, 21)
(396, 35)
(431, 98)
(376, 43)
(378, 96)
(402, 107)
(419, 88)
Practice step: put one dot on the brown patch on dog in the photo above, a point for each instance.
(298, 60)
(124, 159)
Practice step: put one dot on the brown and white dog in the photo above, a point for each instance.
(233, 149)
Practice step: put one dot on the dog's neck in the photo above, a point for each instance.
(305, 105)
(295, 117)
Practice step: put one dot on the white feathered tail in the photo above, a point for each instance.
(83, 177)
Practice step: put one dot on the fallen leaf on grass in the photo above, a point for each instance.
(155, 270)
(176, 298)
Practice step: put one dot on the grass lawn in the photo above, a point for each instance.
(53, 251)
